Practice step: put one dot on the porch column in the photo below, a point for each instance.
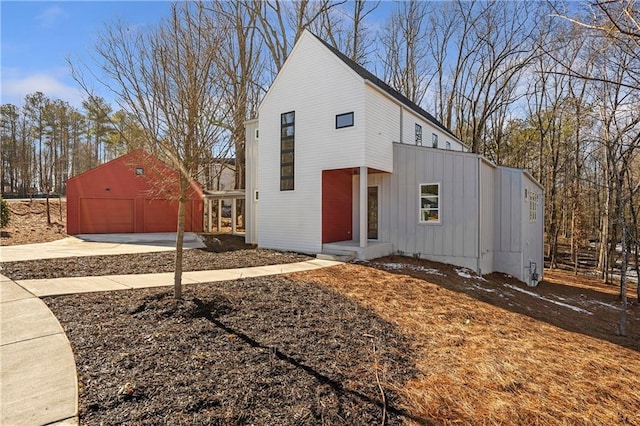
(233, 216)
(210, 213)
(364, 185)
(219, 224)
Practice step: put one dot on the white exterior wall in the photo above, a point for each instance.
(455, 239)
(382, 129)
(409, 120)
(487, 212)
(251, 182)
(385, 200)
(532, 231)
(508, 222)
(316, 85)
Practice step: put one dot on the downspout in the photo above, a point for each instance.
(478, 260)
(541, 203)
(401, 124)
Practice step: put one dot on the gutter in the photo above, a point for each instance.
(479, 258)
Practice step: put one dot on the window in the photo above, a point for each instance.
(434, 140)
(418, 134)
(257, 133)
(287, 133)
(447, 144)
(139, 171)
(533, 206)
(430, 202)
(344, 120)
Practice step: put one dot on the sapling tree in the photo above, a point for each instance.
(164, 78)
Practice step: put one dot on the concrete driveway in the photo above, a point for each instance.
(98, 245)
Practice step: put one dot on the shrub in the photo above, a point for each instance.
(4, 213)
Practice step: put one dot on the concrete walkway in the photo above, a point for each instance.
(38, 380)
(98, 245)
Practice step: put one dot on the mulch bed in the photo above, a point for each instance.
(266, 350)
(145, 263)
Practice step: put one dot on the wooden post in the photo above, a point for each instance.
(219, 225)
(210, 213)
(363, 206)
(233, 216)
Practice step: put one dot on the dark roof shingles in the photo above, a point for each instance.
(367, 75)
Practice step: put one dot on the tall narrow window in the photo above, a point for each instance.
(418, 134)
(430, 202)
(447, 145)
(434, 140)
(287, 139)
(533, 206)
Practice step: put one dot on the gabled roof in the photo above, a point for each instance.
(367, 75)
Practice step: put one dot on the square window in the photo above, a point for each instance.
(344, 120)
(139, 171)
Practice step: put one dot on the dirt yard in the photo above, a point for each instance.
(28, 223)
(407, 340)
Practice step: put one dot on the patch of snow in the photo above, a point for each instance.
(466, 273)
(488, 290)
(430, 271)
(398, 266)
(537, 296)
(391, 266)
(608, 305)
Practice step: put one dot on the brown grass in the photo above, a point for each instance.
(481, 364)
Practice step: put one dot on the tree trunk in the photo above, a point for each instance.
(177, 278)
(48, 208)
(623, 272)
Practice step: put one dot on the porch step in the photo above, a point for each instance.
(345, 256)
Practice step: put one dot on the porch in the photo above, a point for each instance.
(373, 249)
(213, 208)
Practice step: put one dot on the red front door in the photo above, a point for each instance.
(337, 205)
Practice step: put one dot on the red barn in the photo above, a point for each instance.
(133, 193)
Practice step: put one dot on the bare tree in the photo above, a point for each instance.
(281, 23)
(615, 24)
(405, 62)
(241, 70)
(165, 78)
(347, 29)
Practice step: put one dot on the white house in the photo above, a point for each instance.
(339, 162)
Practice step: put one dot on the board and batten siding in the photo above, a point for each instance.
(316, 85)
(487, 213)
(532, 230)
(455, 239)
(509, 194)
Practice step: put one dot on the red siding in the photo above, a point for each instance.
(162, 214)
(111, 198)
(337, 205)
(106, 215)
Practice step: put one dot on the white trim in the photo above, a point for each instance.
(429, 222)
(378, 191)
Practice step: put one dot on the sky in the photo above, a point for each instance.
(37, 37)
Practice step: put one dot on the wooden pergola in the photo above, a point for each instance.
(210, 196)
